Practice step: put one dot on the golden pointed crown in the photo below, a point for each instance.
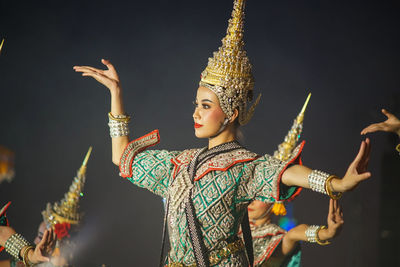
(228, 73)
(285, 149)
(1, 45)
(67, 210)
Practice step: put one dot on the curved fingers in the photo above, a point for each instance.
(108, 64)
(373, 128)
(364, 176)
(81, 68)
(359, 156)
(44, 239)
(387, 113)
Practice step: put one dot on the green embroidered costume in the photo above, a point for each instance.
(223, 187)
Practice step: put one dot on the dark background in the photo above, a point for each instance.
(345, 52)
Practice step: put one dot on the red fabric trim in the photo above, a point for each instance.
(176, 168)
(140, 150)
(222, 169)
(267, 255)
(5, 208)
(7, 223)
(178, 164)
(298, 190)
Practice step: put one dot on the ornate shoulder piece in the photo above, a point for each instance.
(224, 161)
(133, 148)
(295, 158)
(268, 229)
(266, 239)
(182, 160)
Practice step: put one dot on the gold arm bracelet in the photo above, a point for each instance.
(123, 118)
(319, 241)
(328, 188)
(25, 256)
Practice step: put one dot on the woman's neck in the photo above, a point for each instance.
(262, 221)
(227, 135)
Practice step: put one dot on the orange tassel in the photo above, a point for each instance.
(279, 208)
(56, 252)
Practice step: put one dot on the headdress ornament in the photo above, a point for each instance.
(228, 73)
(1, 45)
(67, 210)
(7, 171)
(286, 148)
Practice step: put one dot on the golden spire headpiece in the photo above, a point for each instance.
(67, 210)
(228, 73)
(1, 45)
(286, 148)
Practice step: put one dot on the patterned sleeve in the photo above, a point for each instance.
(150, 169)
(266, 185)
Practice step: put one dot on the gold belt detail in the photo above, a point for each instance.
(216, 256)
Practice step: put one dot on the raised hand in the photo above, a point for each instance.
(392, 124)
(44, 248)
(108, 77)
(357, 171)
(335, 219)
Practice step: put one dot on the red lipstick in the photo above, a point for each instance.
(196, 125)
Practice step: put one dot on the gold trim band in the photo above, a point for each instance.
(216, 256)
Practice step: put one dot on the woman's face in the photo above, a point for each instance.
(41, 230)
(208, 116)
(258, 210)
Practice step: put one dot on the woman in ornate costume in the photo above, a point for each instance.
(208, 190)
(275, 247)
(18, 247)
(59, 221)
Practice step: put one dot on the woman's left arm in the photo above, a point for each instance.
(298, 175)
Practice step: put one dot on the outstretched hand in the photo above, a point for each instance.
(108, 77)
(357, 171)
(44, 248)
(335, 219)
(392, 124)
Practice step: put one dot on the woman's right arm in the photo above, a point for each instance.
(110, 79)
(298, 233)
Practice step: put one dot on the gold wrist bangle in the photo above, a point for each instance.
(126, 118)
(319, 241)
(329, 189)
(25, 256)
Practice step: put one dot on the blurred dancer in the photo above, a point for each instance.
(61, 219)
(275, 247)
(24, 254)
